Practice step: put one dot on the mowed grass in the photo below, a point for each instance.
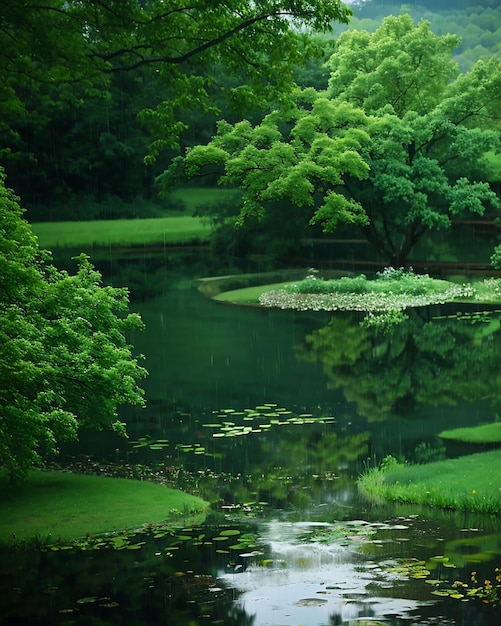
(64, 506)
(249, 295)
(169, 229)
(468, 483)
(148, 231)
(485, 433)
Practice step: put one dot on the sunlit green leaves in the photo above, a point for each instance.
(324, 144)
(403, 65)
(64, 358)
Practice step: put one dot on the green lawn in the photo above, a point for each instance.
(66, 506)
(249, 295)
(149, 231)
(486, 433)
(167, 229)
(467, 483)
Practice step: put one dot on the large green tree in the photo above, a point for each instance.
(431, 131)
(396, 145)
(64, 358)
(302, 153)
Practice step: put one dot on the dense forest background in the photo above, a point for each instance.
(478, 24)
(79, 151)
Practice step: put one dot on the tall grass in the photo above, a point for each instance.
(469, 483)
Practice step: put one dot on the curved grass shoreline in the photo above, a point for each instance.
(56, 506)
(468, 483)
(355, 293)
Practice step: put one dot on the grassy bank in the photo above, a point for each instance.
(468, 483)
(64, 506)
(247, 295)
(485, 433)
(158, 227)
(391, 291)
(383, 299)
(150, 231)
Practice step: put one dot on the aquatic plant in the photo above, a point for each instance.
(487, 591)
(393, 290)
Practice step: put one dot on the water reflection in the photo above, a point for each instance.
(320, 583)
(269, 570)
(427, 360)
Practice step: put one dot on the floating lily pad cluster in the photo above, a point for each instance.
(151, 444)
(445, 584)
(237, 546)
(234, 423)
(344, 534)
(223, 539)
(102, 601)
(473, 316)
(260, 419)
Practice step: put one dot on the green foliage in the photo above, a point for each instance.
(389, 281)
(64, 358)
(383, 299)
(424, 452)
(496, 257)
(404, 66)
(477, 25)
(385, 147)
(345, 284)
(412, 365)
(300, 155)
(427, 159)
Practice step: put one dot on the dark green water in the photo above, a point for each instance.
(278, 411)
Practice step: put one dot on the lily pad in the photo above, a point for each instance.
(311, 602)
(87, 600)
(229, 532)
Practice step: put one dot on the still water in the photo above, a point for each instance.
(275, 413)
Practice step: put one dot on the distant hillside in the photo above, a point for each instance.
(478, 25)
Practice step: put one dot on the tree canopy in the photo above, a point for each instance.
(301, 154)
(429, 136)
(58, 55)
(64, 358)
(397, 143)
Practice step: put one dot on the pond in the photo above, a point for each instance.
(274, 414)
